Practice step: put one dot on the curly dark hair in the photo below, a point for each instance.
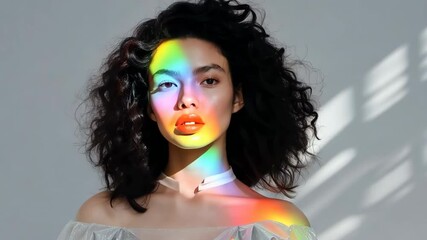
(128, 145)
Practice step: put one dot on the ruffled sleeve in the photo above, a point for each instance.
(301, 233)
(85, 231)
(268, 230)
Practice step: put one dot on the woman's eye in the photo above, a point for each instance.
(210, 81)
(167, 85)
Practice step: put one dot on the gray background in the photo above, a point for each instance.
(371, 56)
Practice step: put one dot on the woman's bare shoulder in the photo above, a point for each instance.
(97, 209)
(284, 211)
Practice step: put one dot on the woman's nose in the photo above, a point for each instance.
(187, 98)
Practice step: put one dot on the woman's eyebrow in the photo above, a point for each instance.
(206, 68)
(196, 71)
(171, 73)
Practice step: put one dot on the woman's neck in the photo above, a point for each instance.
(190, 166)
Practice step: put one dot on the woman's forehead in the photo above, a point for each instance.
(185, 55)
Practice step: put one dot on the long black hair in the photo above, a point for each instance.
(266, 139)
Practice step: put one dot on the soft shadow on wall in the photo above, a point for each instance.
(373, 152)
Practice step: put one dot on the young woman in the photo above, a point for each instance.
(191, 112)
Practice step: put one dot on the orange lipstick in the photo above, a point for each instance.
(189, 123)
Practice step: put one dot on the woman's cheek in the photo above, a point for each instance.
(163, 103)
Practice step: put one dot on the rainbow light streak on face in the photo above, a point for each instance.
(184, 65)
(169, 55)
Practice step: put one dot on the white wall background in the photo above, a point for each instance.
(370, 182)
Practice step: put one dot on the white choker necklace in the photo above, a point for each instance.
(207, 183)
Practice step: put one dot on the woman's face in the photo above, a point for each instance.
(191, 92)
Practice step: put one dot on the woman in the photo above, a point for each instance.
(191, 112)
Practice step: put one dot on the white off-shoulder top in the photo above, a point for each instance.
(270, 230)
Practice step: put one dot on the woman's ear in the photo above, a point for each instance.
(238, 102)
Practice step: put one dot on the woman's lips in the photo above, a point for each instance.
(189, 123)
